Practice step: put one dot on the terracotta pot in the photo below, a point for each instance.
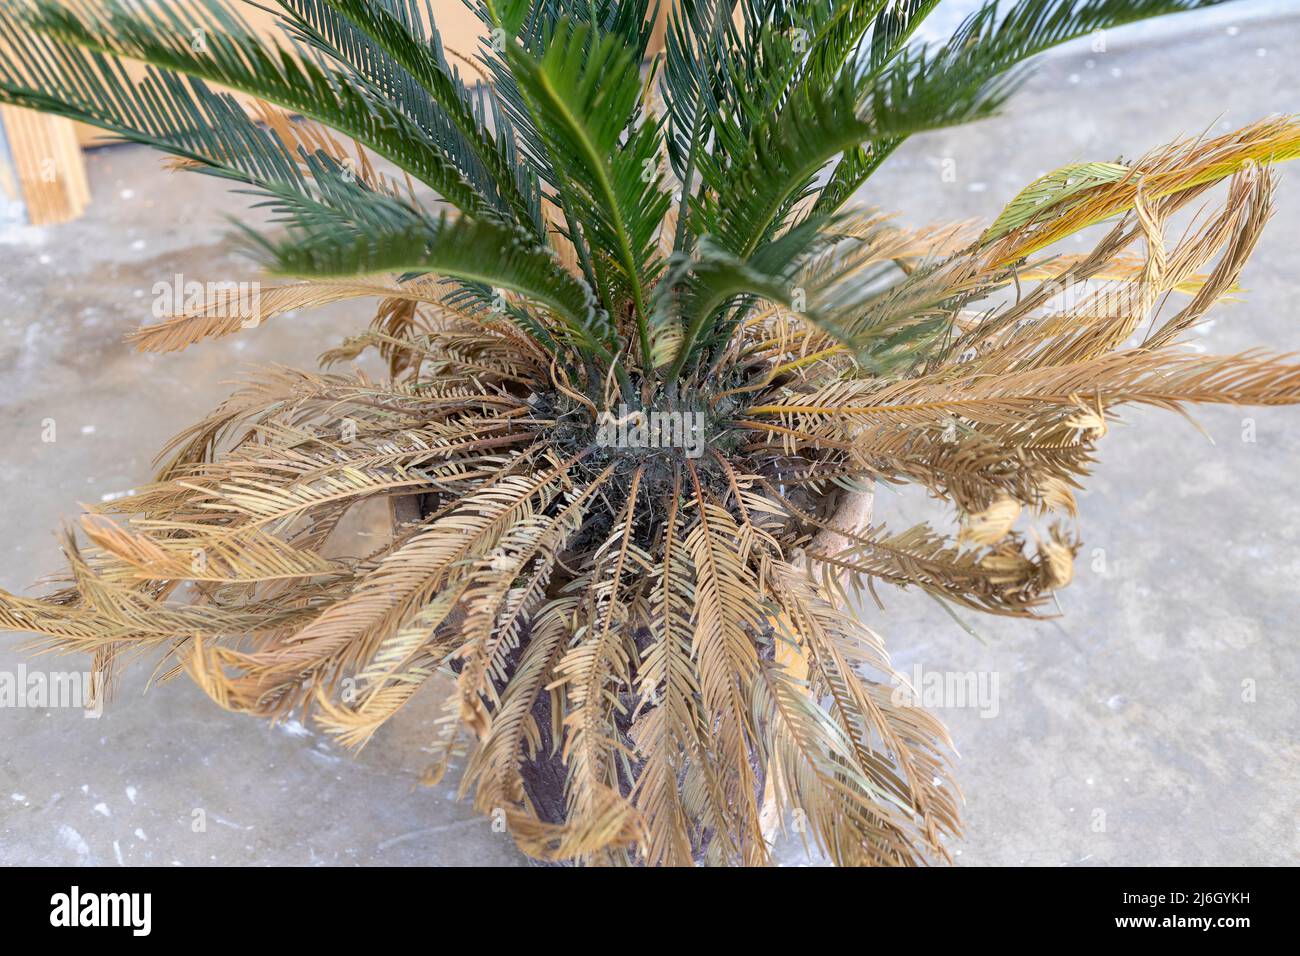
(852, 511)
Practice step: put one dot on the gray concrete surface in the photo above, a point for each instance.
(1121, 735)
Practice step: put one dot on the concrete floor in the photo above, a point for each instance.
(1121, 735)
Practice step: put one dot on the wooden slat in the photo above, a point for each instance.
(48, 166)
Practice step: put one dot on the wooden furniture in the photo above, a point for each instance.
(46, 169)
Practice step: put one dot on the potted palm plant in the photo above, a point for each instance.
(645, 361)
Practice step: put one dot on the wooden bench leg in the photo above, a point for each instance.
(47, 170)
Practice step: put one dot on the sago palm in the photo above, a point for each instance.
(641, 348)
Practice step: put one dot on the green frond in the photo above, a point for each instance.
(605, 161)
(1049, 192)
(178, 116)
(394, 238)
(400, 56)
(209, 41)
(684, 310)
